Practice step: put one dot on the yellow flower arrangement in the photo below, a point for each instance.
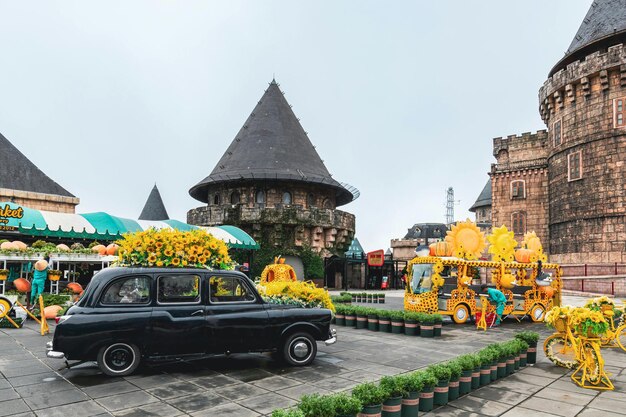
(599, 302)
(582, 319)
(173, 248)
(305, 294)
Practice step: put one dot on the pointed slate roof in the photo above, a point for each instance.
(154, 208)
(484, 198)
(272, 145)
(603, 26)
(355, 249)
(17, 172)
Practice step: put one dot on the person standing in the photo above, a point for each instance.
(495, 297)
(40, 275)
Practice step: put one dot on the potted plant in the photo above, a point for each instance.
(523, 352)
(487, 358)
(54, 274)
(287, 413)
(520, 347)
(350, 316)
(345, 405)
(4, 274)
(468, 364)
(411, 323)
(340, 316)
(372, 319)
(371, 397)
(500, 357)
(531, 338)
(427, 325)
(369, 297)
(395, 390)
(381, 298)
(413, 384)
(384, 321)
(361, 317)
(314, 405)
(455, 374)
(442, 373)
(397, 321)
(354, 296)
(427, 392)
(438, 322)
(510, 350)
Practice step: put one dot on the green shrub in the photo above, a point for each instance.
(428, 379)
(397, 315)
(455, 369)
(287, 413)
(468, 362)
(487, 356)
(386, 314)
(529, 337)
(437, 318)
(39, 244)
(409, 315)
(428, 318)
(54, 299)
(497, 350)
(412, 382)
(369, 394)
(393, 385)
(519, 346)
(340, 299)
(315, 405)
(340, 309)
(345, 404)
(440, 371)
(94, 243)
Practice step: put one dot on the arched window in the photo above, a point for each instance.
(287, 197)
(310, 200)
(518, 189)
(519, 223)
(235, 198)
(217, 200)
(326, 204)
(260, 197)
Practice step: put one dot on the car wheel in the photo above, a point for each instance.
(299, 349)
(461, 314)
(119, 359)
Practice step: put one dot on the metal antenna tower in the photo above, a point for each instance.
(450, 205)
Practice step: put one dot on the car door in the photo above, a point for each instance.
(178, 316)
(236, 316)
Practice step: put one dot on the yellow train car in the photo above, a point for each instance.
(444, 285)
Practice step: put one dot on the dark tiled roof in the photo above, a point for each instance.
(271, 145)
(603, 26)
(427, 231)
(17, 172)
(484, 199)
(154, 208)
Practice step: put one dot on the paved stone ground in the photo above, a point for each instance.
(254, 385)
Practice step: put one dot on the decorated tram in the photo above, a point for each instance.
(445, 277)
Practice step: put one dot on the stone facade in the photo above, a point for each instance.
(404, 249)
(40, 201)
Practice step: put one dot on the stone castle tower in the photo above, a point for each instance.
(568, 183)
(272, 183)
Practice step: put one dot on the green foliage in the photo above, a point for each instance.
(369, 394)
(313, 263)
(409, 315)
(529, 337)
(345, 404)
(437, 318)
(287, 413)
(54, 299)
(39, 244)
(341, 299)
(468, 362)
(393, 385)
(440, 371)
(412, 382)
(428, 379)
(487, 356)
(396, 315)
(315, 405)
(384, 314)
(498, 352)
(77, 246)
(455, 369)
(94, 243)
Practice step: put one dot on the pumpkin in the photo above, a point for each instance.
(524, 255)
(508, 281)
(112, 249)
(63, 248)
(41, 264)
(548, 291)
(22, 285)
(441, 249)
(51, 312)
(464, 280)
(99, 249)
(7, 246)
(19, 245)
(75, 287)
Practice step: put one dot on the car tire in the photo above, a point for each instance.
(119, 359)
(299, 349)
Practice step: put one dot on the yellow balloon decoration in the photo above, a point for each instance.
(467, 239)
(503, 244)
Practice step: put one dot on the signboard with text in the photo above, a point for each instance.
(376, 258)
(8, 213)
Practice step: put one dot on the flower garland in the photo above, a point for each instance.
(303, 294)
(173, 248)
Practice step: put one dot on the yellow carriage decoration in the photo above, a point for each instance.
(440, 284)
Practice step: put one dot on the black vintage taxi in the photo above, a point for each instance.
(127, 315)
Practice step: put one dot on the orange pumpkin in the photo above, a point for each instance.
(75, 287)
(7, 246)
(441, 249)
(112, 249)
(51, 312)
(63, 248)
(19, 245)
(547, 290)
(99, 249)
(524, 255)
(22, 285)
(508, 281)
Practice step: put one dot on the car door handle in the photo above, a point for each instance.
(195, 313)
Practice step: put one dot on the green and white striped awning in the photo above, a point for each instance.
(103, 226)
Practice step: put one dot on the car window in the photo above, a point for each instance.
(128, 290)
(229, 289)
(182, 288)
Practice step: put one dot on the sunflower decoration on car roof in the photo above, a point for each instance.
(531, 241)
(467, 239)
(503, 244)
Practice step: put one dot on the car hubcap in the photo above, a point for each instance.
(119, 358)
(460, 314)
(300, 350)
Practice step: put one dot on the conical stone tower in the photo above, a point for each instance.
(154, 209)
(272, 183)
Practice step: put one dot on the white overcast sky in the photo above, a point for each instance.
(401, 99)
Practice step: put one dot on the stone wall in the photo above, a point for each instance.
(404, 249)
(40, 201)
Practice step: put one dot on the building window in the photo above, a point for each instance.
(519, 223)
(217, 200)
(619, 112)
(235, 198)
(574, 166)
(260, 197)
(518, 189)
(557, 132)
(287, 198)
(310, 200)
(326, 204)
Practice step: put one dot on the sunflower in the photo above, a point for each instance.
(503, 244)
(176, 261)
(152, 258)
(159, 263)
(168, 252)
(467, 240)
